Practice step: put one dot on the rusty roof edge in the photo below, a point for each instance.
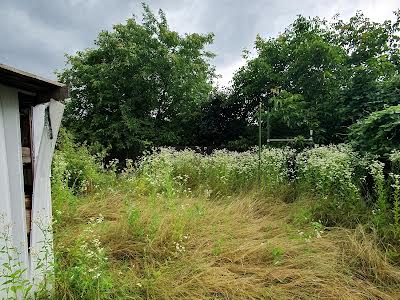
(18, 72)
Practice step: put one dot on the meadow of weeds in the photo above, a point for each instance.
(323, 223)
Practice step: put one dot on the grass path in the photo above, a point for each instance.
(242, 247)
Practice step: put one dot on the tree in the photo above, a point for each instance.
(217, 125)
(140, 86)
(329, 75)
(304, 64)
(373, 62)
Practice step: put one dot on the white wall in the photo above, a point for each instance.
(12, 199)
(5, 209)
(12, 202)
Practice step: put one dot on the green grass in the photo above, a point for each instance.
(243, 247)
(187, 226)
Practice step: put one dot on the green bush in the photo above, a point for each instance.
(76, 170)
(330, 172)
(378, 133)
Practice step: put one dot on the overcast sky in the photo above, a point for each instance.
(35, 34)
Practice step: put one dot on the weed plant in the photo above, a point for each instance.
(182, 225)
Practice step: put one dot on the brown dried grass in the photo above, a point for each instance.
(244, 247)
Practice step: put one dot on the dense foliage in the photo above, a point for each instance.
(210, 218)
(329, 75)
(347, 185)
(378, 133)
(145, 85)
(187, 225)
(142, 85)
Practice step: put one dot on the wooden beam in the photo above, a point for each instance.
(20, 73)
(288, 140)
(44, 88)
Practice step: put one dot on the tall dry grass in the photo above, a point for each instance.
(180, 225)
(242, 247)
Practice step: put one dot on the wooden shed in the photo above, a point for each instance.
(31, 109)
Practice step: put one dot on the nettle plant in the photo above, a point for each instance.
(395, 177)
(386, 210)
(396, 201)
(381, 210)
(14, 274)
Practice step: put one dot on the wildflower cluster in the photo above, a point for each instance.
(87, 271)
(329, 170)
(348, 188)
(180, 247)
(223, 172)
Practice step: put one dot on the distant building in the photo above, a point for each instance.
(31, 109)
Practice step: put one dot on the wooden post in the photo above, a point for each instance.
(259, 144)
(268, 125)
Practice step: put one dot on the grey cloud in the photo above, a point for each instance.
(35, 35)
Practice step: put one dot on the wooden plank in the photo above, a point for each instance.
(44, 88)
(28, 214)
(20, 73)
(26, 155)
(287, 140)
(28, 202)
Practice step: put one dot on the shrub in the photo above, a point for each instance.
(75, 172)
(329, 171)
(74, 167)
(378, 133)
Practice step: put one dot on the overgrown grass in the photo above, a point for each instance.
(197, 248)
(180, 225)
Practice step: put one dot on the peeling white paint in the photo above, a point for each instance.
(12, 202)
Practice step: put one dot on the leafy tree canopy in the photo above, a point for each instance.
(145, 85)
(140, 86)
(329, 75)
